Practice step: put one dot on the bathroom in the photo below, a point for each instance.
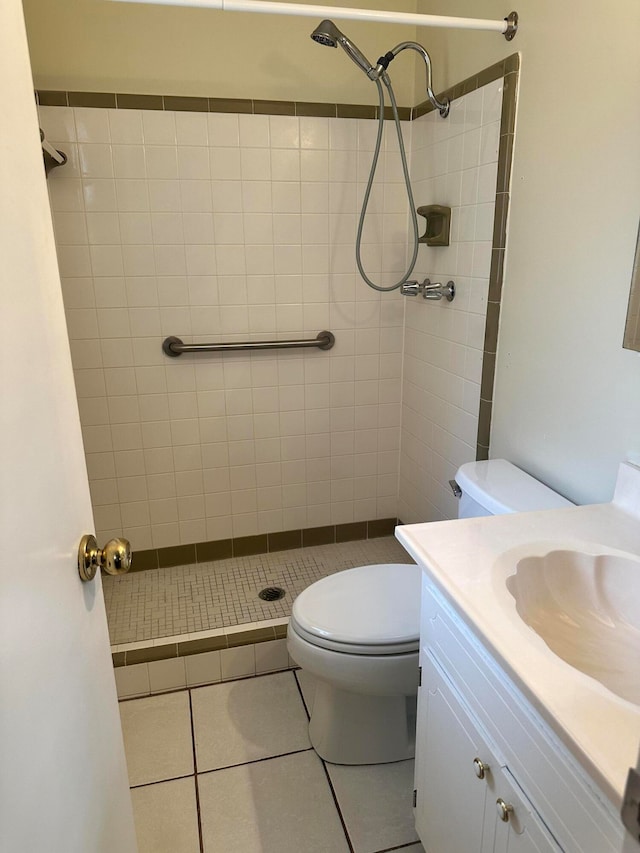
(339, 440)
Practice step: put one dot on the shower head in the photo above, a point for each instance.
(326, 33)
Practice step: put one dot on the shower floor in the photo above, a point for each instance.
(186, 599)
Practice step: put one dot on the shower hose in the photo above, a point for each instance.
(405, 169)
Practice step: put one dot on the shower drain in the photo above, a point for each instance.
(272, 593)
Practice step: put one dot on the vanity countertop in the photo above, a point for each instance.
(469, 561)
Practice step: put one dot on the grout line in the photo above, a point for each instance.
(256, 760)
(195, 773)
(301, 693)
(160, 781)
(337, 805)
(399, 847)
(153, 695)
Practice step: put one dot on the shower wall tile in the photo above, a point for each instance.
(215, 226)
(454, 162)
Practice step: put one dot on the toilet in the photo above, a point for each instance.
(357, 632)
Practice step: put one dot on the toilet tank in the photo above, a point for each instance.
(496, 487)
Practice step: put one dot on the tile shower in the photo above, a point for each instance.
(230, 226)
(224, 226)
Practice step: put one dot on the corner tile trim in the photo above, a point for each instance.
(509, 65)
(246, 546)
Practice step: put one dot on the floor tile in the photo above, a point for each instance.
(283, 805)
(157, 737)
(376, 804)
(412, 848)
(204, 596)
(308, 686)
(248, 720)
(166, 817)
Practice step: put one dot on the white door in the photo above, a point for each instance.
(63, 780)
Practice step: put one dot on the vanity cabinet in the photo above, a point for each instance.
(491, 776)
(471, 804)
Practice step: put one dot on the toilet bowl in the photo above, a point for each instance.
(357, 632)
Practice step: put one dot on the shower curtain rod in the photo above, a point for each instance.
(508, 26)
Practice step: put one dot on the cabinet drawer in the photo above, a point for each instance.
(580, 817)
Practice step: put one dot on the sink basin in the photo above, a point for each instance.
(586, 608)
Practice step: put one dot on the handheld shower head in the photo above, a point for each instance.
(326, 33)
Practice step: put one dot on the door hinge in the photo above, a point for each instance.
(415, 797)
(419, 676)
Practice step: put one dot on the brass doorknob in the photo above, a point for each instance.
(115, 558)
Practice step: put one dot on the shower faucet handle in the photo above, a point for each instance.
(436, 290)
(411, 288)
(429, 290)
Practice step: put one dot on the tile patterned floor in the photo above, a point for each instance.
(185, 599)
(241, 777)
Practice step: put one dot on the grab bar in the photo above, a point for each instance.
(174, 346)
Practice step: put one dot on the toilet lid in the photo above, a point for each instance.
(370, 606)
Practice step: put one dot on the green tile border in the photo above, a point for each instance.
(496, 274)
(264, 543)
(351, 532)
(504, 68)
(102, 100)
(185, 648)
(187, 103)
(122, 100)
(318, 536)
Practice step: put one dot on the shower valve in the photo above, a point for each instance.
(429, 289)
(411, 288)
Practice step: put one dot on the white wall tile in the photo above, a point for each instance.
(203, 668)
(188, 235)
(132, 680)
(443, 357)
(158, 127)
(223, 129)
(238, 662)
(191, 128)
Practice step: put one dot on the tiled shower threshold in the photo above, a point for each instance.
(200, 608)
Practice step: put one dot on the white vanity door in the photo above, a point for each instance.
(460, 781)
(524, 831)
(451, 801)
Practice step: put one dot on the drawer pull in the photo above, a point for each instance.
(504, 810)
(480, 768)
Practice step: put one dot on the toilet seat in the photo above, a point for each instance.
(369, 610)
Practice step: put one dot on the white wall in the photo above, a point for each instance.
(567, 397)
(212, 227)
(453, 162)
(100, 46)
